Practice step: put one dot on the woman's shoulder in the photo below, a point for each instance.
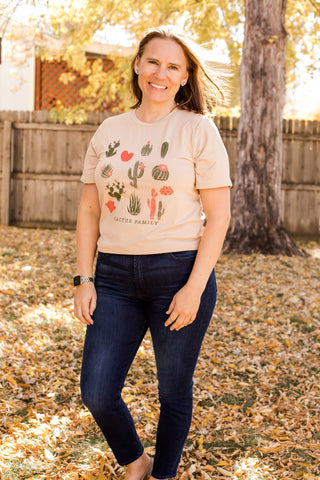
(195, 120)
(115, 119)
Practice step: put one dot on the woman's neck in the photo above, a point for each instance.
(153, 113)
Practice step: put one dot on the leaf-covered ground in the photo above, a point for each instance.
(257, 386)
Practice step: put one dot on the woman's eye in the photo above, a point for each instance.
(173, 67)
(153, 62)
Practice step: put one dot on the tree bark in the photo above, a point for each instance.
(257, 224)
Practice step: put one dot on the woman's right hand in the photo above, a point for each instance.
(85, 302)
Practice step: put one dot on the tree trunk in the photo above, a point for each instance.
(257, 224)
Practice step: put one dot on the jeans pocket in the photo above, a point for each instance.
(184, 256)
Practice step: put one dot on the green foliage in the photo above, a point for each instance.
(218, 23)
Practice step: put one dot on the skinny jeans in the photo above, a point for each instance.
(133, 295)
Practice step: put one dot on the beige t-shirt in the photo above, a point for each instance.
(148, 176)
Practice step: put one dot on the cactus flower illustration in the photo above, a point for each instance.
(111, 206)
(152, 204)
(160, 210)
(116, 189)
(146, 149)
(135, 173)
(160, 172)
(112, 149)
(166, 191)
(164, 149)
(106, 171)
(126, 156)
(134, 207)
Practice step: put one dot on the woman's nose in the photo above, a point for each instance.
(161, 71)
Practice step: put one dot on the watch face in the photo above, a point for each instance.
(76, 280)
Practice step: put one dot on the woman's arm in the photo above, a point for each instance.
(185, 304)
(86, 239)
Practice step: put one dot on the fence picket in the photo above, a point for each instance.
(41, 164)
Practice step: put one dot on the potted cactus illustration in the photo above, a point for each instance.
(134, 207)
(146, 149)
(160, 172)
(164, 149)
(106, 171)
(135, 173)
(112, 149)
(116, 189)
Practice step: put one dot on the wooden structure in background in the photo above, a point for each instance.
(49, 89)
(41, 163)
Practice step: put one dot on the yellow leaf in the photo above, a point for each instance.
(288, 343)
(66, 454)
(216, 360)
(101, 476)
(11, 380)
(128, 398)
(222, 463)
(269, 321)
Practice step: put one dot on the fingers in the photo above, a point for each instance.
(171, 307)
(180, 321)
(182, 310)
(82, 313)
(85, 301)
(177, 319)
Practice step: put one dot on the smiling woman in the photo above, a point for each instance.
(161, 71)
(149, 176)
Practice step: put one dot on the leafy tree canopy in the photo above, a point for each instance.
(219, 23)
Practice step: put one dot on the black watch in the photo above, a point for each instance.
(79, 280)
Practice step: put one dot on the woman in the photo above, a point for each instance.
(148, 176)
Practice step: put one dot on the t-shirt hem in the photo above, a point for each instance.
(149, 250)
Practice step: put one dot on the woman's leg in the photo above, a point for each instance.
(110, 346)
(176, 355)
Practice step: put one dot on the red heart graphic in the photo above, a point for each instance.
(126, 156)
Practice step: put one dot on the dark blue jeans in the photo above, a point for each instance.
(134, 292)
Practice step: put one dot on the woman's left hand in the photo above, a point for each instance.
(184, 308)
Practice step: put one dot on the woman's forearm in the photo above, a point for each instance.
(208, 253)
(216, 204)
(87, 232)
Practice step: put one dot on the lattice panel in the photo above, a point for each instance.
(49, 89)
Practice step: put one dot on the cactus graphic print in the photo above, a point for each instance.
(148, 177)
(149, 208)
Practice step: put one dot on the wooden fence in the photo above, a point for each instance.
(41, 163)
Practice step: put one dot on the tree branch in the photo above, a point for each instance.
(315, 6)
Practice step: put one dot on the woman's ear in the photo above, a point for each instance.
(136, 65)
(184, 81)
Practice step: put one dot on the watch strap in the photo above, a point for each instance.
(79, 280)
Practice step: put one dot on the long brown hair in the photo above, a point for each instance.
(206, 86)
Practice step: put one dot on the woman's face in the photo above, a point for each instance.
(161, 70)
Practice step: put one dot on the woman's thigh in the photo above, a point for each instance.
(114, 338)
(176, 352)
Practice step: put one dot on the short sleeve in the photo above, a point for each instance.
(210, 156)
(90, 163)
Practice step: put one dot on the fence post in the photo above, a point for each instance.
(6, 174)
